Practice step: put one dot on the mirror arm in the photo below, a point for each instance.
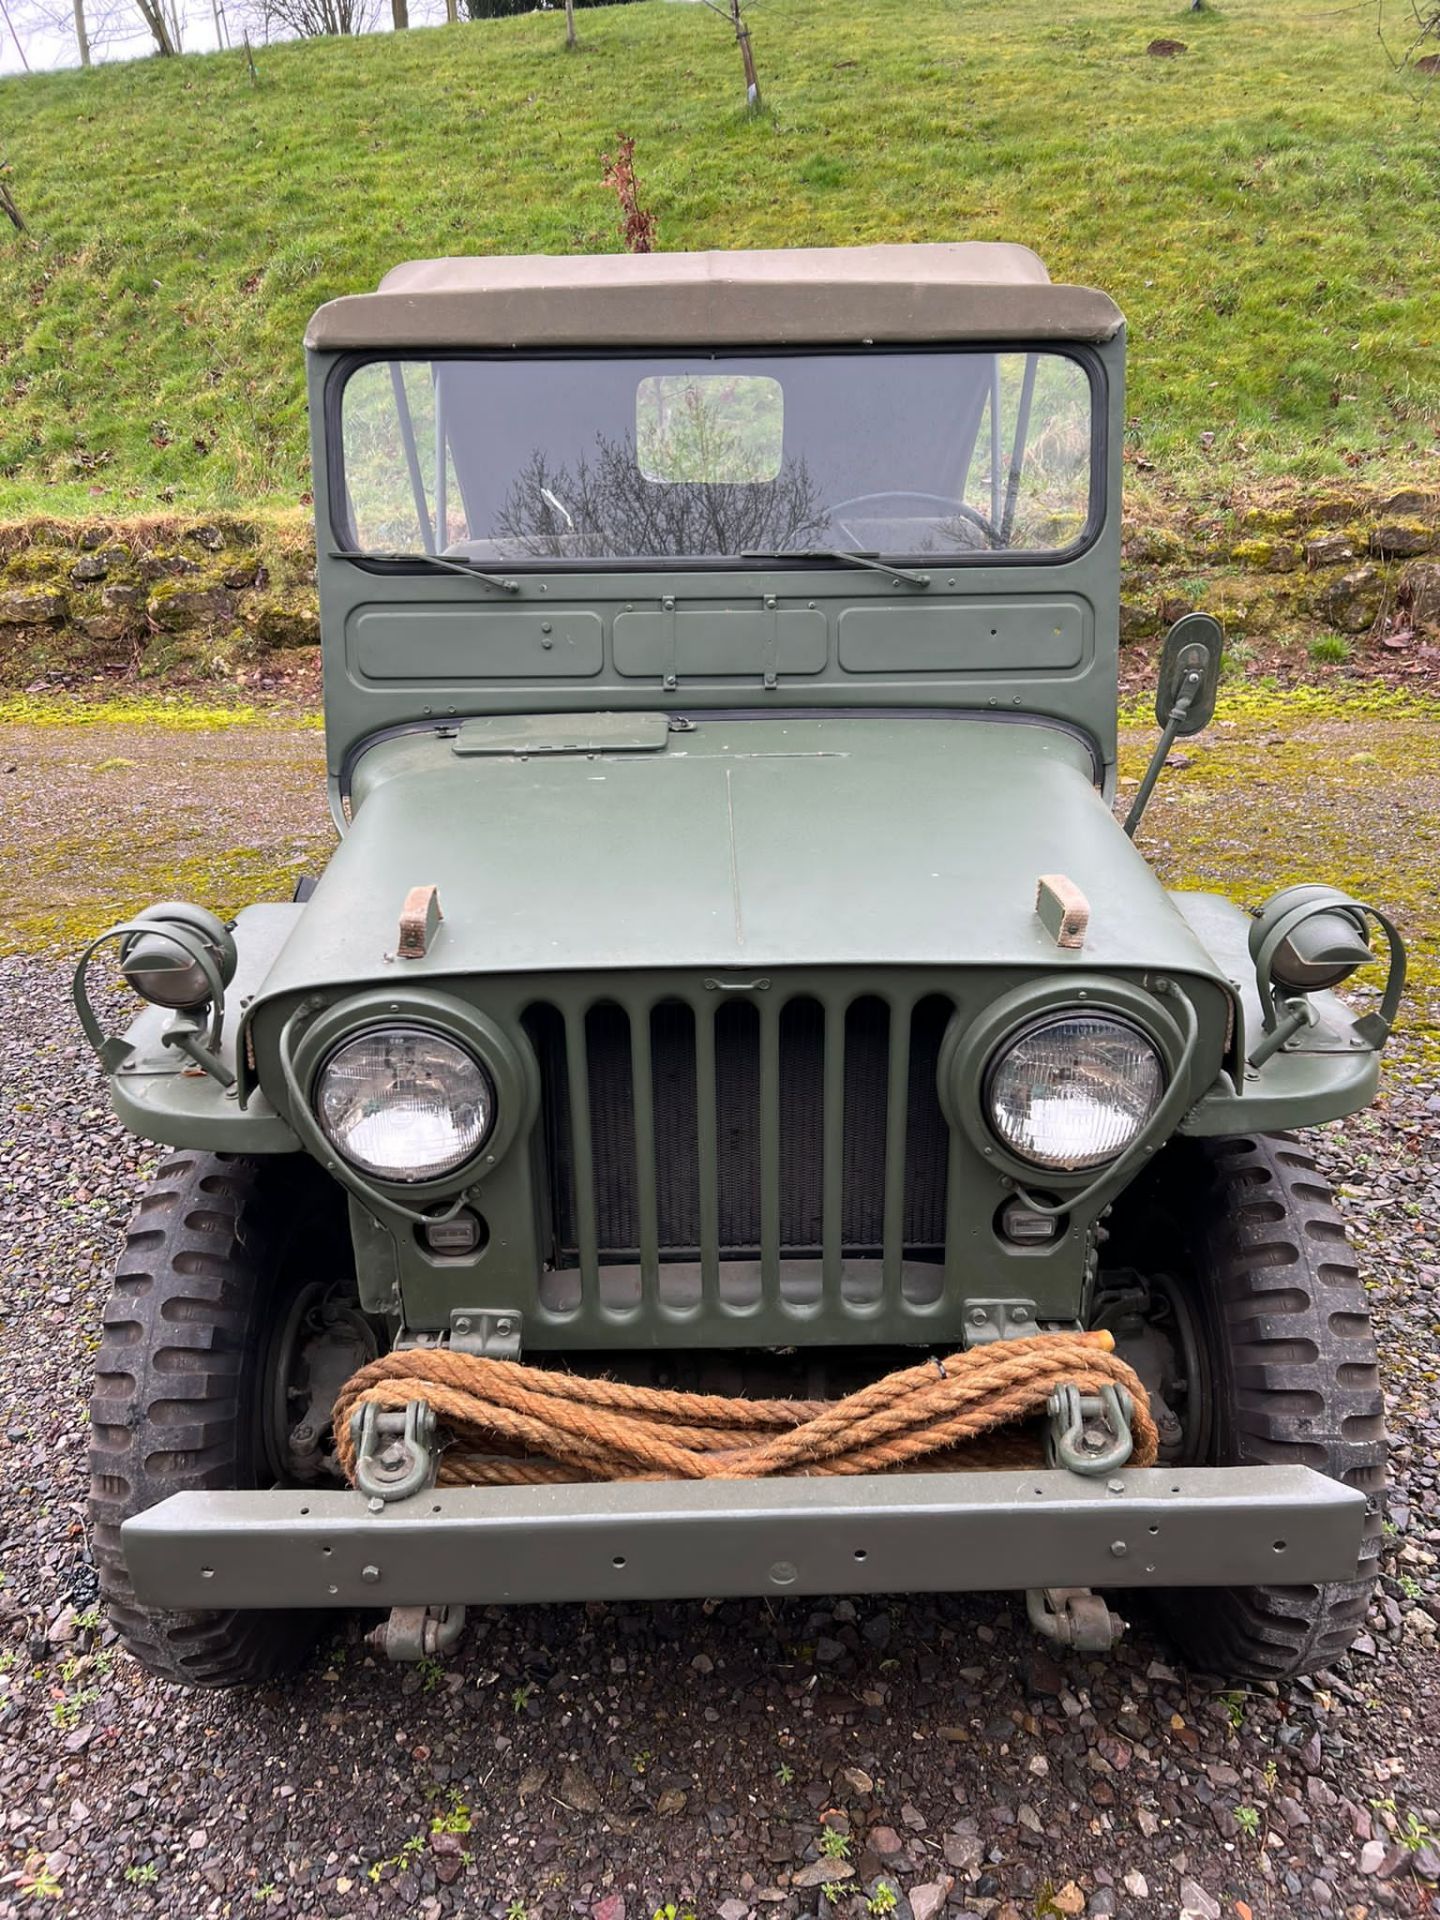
(1191, 686)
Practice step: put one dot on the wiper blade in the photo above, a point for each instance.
(848, 557)
(447, 563)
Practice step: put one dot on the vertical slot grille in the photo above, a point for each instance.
(722, 1151)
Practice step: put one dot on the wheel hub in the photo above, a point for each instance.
(1157, 1331)
(323, 1339)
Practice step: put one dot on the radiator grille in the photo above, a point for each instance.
(756, 1148)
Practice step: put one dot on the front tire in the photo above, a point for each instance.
(1253, 1236)
(206, 1270)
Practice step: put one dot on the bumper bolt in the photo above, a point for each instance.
(372, 1574)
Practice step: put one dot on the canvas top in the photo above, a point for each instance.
(966, 290)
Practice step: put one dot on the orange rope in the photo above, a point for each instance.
(517, 1425)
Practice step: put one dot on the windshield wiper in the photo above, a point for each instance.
(447, 563)
(848, 557)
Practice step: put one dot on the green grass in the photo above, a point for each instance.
(1262, 207)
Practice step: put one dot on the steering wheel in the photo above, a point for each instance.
(945, 500)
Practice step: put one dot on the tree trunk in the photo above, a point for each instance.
(570, 23)
(152, 12)
(82, 38)
(742, 34)
(452, 12)
(20, 50)
(400, 13)
(7, 199)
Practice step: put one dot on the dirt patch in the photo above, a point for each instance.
(98, 821)
(1248, 808)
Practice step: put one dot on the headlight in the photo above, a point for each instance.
(1073, 1090)
(166, 973)
(405, 1103)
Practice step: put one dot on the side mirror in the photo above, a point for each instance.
(1189, 674)
(1185, 697)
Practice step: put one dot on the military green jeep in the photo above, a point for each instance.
(733, 975)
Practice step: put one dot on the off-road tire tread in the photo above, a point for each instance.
(1299, 1383)
(172, 1407)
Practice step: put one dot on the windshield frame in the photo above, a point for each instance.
(345, 539)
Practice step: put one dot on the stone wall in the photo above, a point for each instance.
(1356, 564)
(194, 598)
(199, 599)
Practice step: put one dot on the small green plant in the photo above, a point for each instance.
(1413, 1833)
(520, 1696)
(143, 1874)
(65, 1713)
(1248, 1820)
(1270, 1774)
(266, 1891)
(1238, 656)
(1409, 1586)
(431, 1673)
(883, 1900)
(1330, 650)
(516, 1910)
(834, 1845)
(44, 1886)
(670, 1911)
(410, 1850)
(457, 1820)
(1234, 1706)
(785, 1774)
(1408, 1830)
(832, 1891)
(641, 1761)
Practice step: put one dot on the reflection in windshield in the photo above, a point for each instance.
(906, 454)
(605, 507)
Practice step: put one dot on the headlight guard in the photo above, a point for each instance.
(312, 1039)
(405, 1103)
(974, 1051)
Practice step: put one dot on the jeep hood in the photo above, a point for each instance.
(595, 842)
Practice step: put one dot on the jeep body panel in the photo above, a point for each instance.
(739, 842)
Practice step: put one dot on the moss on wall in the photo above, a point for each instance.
(189, 601)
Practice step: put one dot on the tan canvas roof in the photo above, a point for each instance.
(803, 295)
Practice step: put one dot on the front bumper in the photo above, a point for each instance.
(651, 1540)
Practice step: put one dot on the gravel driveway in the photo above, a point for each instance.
(614, 1762)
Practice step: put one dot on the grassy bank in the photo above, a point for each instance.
(1261, 205)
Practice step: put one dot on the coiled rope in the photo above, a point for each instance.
(511, 1424)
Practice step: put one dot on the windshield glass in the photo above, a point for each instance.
(710, 457)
